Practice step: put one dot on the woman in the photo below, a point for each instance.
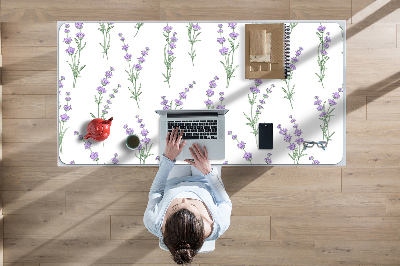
(186, 211)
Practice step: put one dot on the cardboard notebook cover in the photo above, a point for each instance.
(265, 70)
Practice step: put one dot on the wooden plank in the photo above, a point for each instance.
(367, 252)
(54, 226)
(49, 10)
(30, 82)
(109, 264)
(384, 60)
(369, 12)
(308, 204)
(30, 58)
(393, 204)
(283, 179)
(335, 228)
(384, 36)
(52, 106)
(371, 180)
(364, 155)
(107, 178)
(241, 227)
(373, 84)
(383, 108)
(223, 10)
(40, 130)
(373, 132)
(24, 106)
(358, 5)
(29, 34)
(148, 251)
(21, 264)
(29, 154)
(110, 203)
(320, 10)
(34, 202)
(356, 108)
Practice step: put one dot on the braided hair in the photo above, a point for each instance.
(184, 235)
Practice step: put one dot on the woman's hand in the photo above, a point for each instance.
(201, 160)
(172, 149)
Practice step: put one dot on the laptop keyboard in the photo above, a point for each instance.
(195, 129)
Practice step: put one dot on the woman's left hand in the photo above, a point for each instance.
(173, 148)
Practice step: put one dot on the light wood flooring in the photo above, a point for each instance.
(281, 215)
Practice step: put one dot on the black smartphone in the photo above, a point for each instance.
(265, 136)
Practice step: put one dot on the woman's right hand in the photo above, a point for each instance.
(201, 161)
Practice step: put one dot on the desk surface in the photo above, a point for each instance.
(184, 66)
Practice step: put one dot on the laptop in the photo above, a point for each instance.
(204, 127)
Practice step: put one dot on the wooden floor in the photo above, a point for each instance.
(281, 215)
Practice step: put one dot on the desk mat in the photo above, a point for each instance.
(127, 70)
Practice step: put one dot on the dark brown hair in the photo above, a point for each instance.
(184, 235)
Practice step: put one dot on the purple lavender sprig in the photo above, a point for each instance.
(221, 98)
(253, 120)
(106, 37)
(115, 160)
(137, 27)
(314, 161)
(241, 145)
(87, 144)
(225, 51)
(325, 115)
(322, 47)
(106, 107)
(165, 103)
(182, 95)
(168, 53)
(192, 39)
(210, 92)
(268, 158)
(143, 151)
(134, 76)
(75, 57)
(290, 91)
(64, 117)
(297, 151)
(101, 91)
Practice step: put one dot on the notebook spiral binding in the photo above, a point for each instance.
(286, 50)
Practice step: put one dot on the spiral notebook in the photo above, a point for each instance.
(267, 49)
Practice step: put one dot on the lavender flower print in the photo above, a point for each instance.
(226, 53)
(87, 145)
(101, 91)
(291, 27)
(143, 151)
(137, 26)
(322, 47)
(241, 145)
(134, 76)
(220, 106)
(106, 37)
(193, 39)
(313, 161)
(290, 91)
(75, 57)
(182, 95)
(325, 115)
(64, 117)
(168, 53)
(210, 92)
(165, 103)
(268, 158)
(297, 152)
(253, 100)
(115, 160)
